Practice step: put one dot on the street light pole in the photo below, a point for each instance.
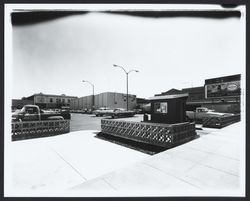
(93, 90)
(127, 72)
(127, 91)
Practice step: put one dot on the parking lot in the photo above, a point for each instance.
(91, 122)
(85, 122)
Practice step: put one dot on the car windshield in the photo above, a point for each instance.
(29, 110)
(202, 109)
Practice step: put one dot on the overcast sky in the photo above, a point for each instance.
(54, 57)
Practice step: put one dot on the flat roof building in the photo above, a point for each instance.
(19, 103)
(221, 94)
(50, 100)
(107, 99)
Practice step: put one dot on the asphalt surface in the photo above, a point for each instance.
(91, 122)
(85, 122)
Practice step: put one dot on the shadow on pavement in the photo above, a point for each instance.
(138, 146)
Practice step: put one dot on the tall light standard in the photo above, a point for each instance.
(127, 72)
(93, 88)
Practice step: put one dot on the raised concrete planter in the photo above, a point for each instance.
(220, 122)
(164, 135)
(35, 129)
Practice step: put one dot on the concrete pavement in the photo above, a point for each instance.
(50, 166)
(79, 164)
(208, 166)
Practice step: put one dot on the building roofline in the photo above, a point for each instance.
(41, 94)
(116, 93)
(107, 93)
(168, 96)
(199, 87)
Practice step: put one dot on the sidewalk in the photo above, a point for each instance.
(45, 166)
(207, 166)
(79, 164)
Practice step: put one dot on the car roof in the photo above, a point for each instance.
(31, 106)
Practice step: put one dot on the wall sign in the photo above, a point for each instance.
(223, 89)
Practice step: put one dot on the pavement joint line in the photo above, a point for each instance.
(198, 180)
(213, 153)
(219, 139)
(226, 172)
(172, 175)
(199, 163)
(195, 162)
(69, 164)
(109, 184)
(207, 185)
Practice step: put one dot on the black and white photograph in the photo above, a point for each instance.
(124, 100)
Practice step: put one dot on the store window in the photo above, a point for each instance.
(161, 107)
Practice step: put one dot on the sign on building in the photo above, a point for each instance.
(223, 86)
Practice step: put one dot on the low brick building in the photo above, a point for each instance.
(50, 101)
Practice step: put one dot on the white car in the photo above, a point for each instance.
(202, 112)
(102, 111)
(121, 112)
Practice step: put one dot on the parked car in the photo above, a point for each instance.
(34, 113)
(121, 112)
(89, 111)
(139, 111)
(102, 111)
(201, 112)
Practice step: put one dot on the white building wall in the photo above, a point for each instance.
(119, 100)
(107, 99)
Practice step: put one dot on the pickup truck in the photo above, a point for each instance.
(33, 113)
(202, 112)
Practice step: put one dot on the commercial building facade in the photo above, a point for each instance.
(221, 94)
(107, 99)
(47, 101)
(19, 103)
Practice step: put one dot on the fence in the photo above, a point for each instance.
(35, 129)
(220, 122)
(164, 135)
